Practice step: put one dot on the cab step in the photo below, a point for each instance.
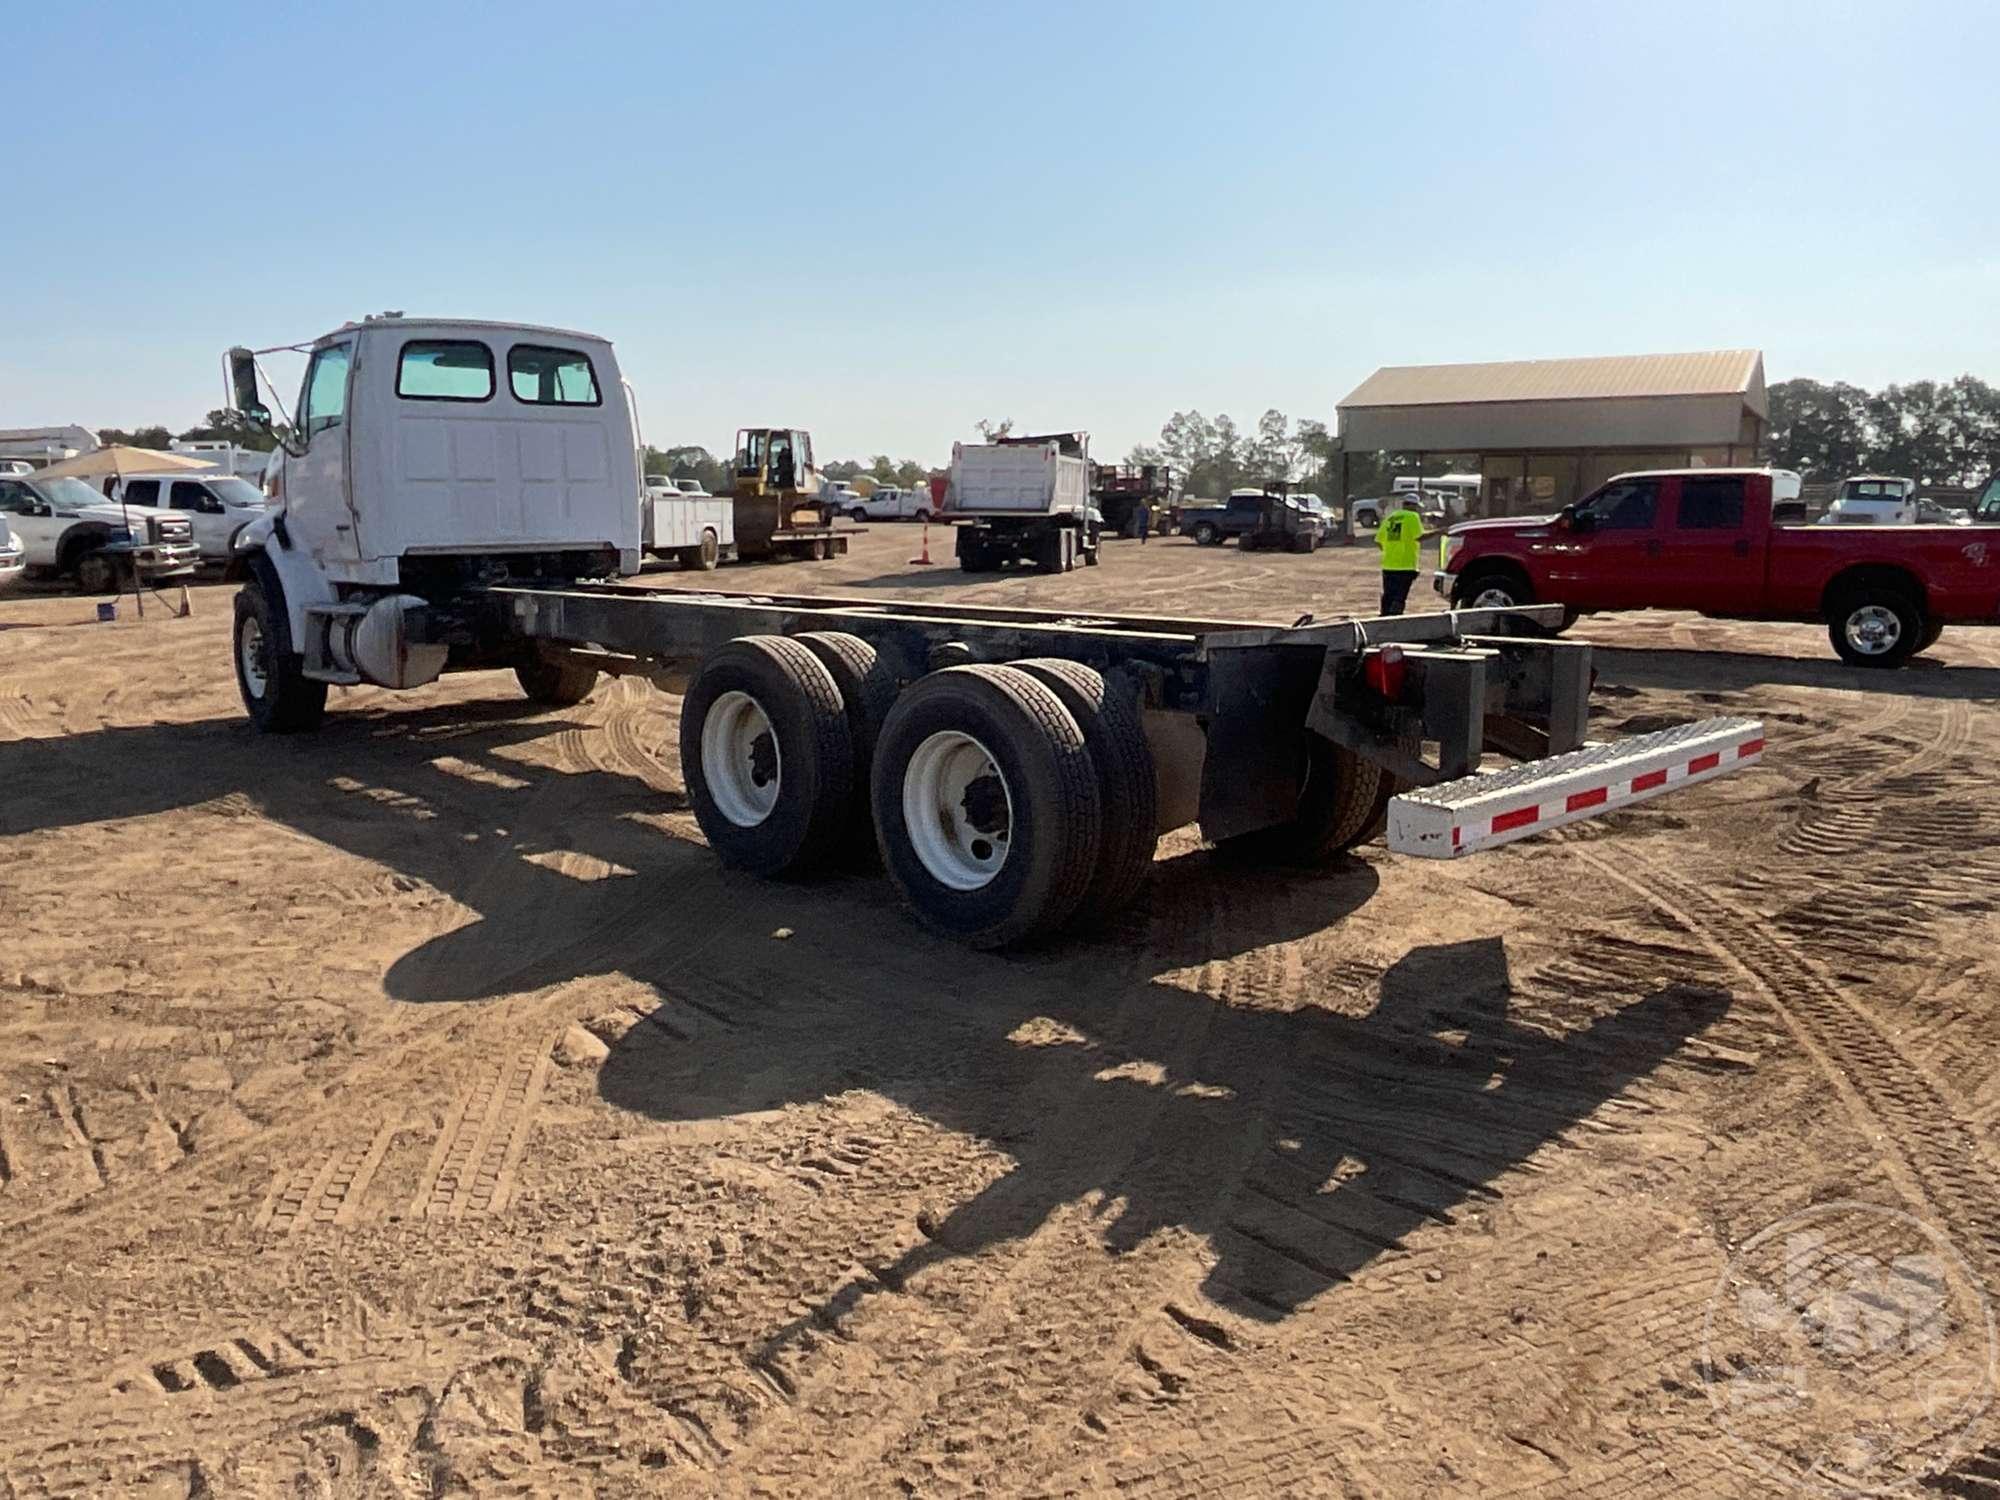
(1491, 808)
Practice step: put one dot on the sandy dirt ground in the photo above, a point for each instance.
(417, 1108)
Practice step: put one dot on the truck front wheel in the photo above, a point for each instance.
(1876, 627)
(277, 695)
(1205, 534)
(1495, 588)
(99, 573)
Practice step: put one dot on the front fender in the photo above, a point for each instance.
(298, 575)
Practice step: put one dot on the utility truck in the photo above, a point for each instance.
(1013, 766)
(1024, 499)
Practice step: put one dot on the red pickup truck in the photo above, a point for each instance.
(1703, 539)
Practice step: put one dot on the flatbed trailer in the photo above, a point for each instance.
(1016, 766)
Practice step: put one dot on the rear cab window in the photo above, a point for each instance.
(445, 370)
(544, 376)
(1711, 504)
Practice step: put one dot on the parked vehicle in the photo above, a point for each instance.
(1240, 515)
(659, 487)
(1024, 499)
(1936, 513)
(16, 466)
(697, 531)
(889, 502)
(1284, 524)
(779, 500)
(693, 488)
(1873, 500)
(1451, 494)
(1704, 539)
(1122, 490)
(1366, 515)
(1013, 766)
(218, 506)
(67, 529)
(13, 556)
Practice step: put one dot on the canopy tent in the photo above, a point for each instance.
(119, 458)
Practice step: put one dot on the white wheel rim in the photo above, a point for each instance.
(250, 652)
(1492, 598)
(740, 759)
(960, 831)
(1873, 630)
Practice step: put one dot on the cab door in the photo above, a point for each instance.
(317, 500)
(1714, 557)
(1605, 557)
(205, 515)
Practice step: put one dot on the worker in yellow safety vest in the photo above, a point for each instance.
(1401, 538)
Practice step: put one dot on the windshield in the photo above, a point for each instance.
(68, 494)
(234, 491)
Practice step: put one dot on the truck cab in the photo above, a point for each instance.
(1873, 500)
(429, 458)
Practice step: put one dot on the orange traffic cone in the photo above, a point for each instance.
(923, 557)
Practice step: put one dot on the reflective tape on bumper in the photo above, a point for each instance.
(1492, 808)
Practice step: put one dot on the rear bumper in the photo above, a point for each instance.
(1498, 807)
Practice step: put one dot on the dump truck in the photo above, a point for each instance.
(1013, 766)
(1024, 499)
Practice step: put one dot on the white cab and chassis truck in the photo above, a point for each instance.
(1014, 766)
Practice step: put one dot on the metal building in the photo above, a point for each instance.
(1548, 431)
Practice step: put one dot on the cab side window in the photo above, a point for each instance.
(16, 499)
(325, 404)
(142, 492)
(1711, 504)
(1626, 506)
(188, 495)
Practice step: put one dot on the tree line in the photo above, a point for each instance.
(1943, 432)
(220, 425)
(691, 461)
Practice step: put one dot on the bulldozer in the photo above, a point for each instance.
(775, 490)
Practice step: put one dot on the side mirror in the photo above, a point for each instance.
(243, 387)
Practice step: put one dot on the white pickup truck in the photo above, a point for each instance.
(66, 528)
(889, 502)
(217, 506)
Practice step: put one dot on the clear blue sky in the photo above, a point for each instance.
(885, 221)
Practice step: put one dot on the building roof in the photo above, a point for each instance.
(1657, 402)
(1715, 373)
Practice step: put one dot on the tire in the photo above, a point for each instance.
(704, 555)
(1492, 588)
(961, 738)
(555, 681)
(278, 696)
(1052, 555)
(868, 689)
(771, 790)
(1875, 626)
(1125, 785)
(1337, 807)
(98, 572)
(977, 558)
(817, 550)
(1205, 534)
(857, 515)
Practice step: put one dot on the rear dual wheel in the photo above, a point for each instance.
(1343, 801)
(988, 806)
(768, 756)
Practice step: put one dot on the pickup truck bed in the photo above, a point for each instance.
(1703, 539)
